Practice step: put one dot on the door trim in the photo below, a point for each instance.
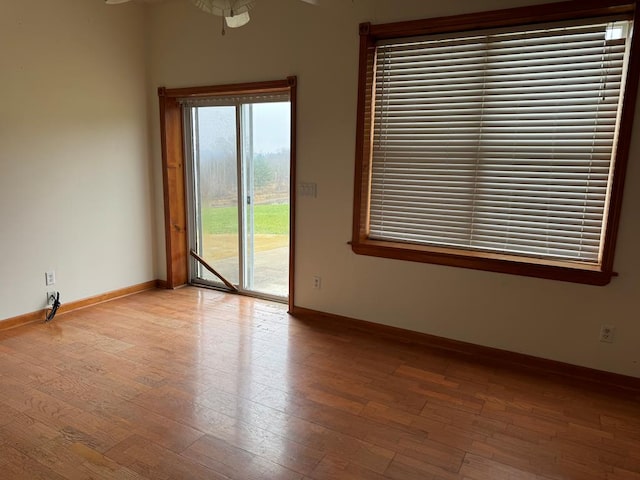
(174, 175)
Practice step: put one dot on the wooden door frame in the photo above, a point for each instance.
(174, 174)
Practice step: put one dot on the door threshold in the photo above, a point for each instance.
(261, 296)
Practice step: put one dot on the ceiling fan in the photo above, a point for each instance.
(234, 12)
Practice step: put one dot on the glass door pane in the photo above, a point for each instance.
(266, 131)
(239, 207)
(216, 197)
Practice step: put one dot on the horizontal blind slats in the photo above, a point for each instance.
(500, 142)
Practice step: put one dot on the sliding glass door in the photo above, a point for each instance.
(239, 166)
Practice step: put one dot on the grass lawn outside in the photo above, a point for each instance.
(268, 219)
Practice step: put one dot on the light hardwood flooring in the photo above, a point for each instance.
(196, 384)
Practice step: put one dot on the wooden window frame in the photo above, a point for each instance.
(174, 175)
(512, 264)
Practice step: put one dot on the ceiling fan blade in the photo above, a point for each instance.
(312, 2)
(115, 2)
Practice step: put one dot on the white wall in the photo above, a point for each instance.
(75, 179)
(545, 318)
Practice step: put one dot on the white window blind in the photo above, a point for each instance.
(499, 142)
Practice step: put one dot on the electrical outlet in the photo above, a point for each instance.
(606, 333)
(51, 297)
(317, 282)
(50, 278)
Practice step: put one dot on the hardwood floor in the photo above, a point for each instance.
(196, 384)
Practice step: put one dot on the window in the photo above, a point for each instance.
(490, 142)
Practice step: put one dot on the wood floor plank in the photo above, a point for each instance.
(153, 461)
(235, 462)
(333, 466)
(18, 466)
(198, 384)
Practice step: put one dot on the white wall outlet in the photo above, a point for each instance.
(51, 297)
(317, 282)
(606, 333)
(50, 278)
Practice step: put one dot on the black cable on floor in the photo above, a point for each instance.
(54, 308)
